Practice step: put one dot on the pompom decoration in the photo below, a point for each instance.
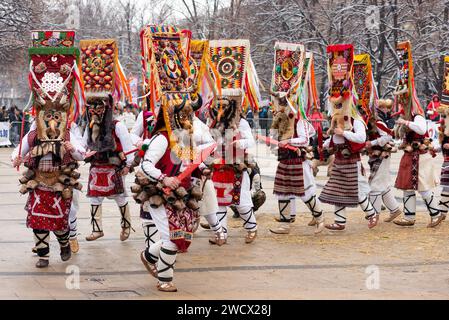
(295, 70)
(285, 85)
(142, 150)
(278, 69)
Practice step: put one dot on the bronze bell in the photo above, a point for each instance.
(156, 201)
(58, 187)
(23, 180)
(67, 171)
(141, 197)
(170, 198)
(193, 204)
(135, 188)
(67, 193)
(346, 153)
(64, 179)
(196, 193)
(151, 189)
(23, 189)
(75, 175)
(181, 192)
(178, 205)
(31, 185)
(142, 179)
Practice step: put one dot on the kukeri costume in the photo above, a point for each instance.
(290, 97)
(208, 91)
(49, 150)
(169, 76)
(347, 185)
(443, 110)
(232, 133)
(416, 167)
(379, 136)
(107, 138)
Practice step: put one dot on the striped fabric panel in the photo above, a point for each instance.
(342, 187)
(289, 178)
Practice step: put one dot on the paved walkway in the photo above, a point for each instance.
(384, 263)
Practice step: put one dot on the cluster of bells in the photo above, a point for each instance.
(66, 181)
(145, 189)
(417, 146)
(385, 152)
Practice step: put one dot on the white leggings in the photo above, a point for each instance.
(120, 199)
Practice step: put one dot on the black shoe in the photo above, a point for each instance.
(66, 253)
(42, 263)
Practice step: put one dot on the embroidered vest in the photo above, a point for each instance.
(166, 164)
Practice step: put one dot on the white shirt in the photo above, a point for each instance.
(358, 136)
(157, 146)
(137, 130)
(304, 131)
(418, 125)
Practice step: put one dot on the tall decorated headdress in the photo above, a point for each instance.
(365, 86)
(57, 98)
(102, 72)
(286, 81)
(104, 83)
(230, 58)
(56, 87)
(342, 94)
(307, 93)
(406, 99)
(169, 78)
(208, 88)
(445, 80)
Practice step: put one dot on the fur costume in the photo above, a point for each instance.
(347, 185)
(51, 176)
(108, 138)
(238, 80)
(291, 98)
(169, 75)
(416, 172)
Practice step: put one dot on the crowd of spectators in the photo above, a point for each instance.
(13, 115)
